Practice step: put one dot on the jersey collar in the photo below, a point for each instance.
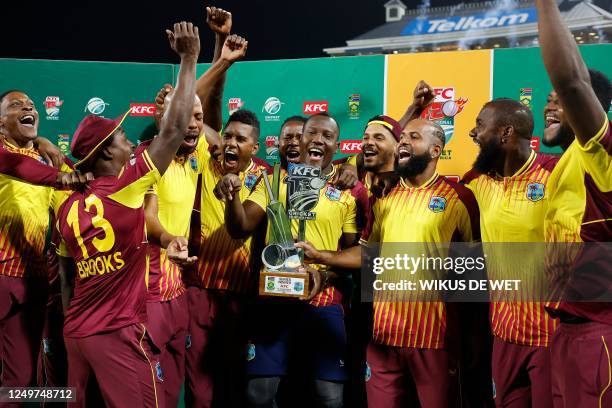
(525, 167)
(425, 185)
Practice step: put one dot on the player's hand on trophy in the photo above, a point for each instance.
(228, 187)
(178, 252)
(234, 48)
(316, 282)
(423, 94)
(185, 39)
(219, 20)
(50, 152)
(346, 177)
(311, 254)
(74, 180)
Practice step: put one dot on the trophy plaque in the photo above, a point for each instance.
(281, 275)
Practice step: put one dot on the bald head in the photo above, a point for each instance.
(429, 130)
(506, 112)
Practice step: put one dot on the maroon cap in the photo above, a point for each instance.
(92, 132)
(393, 125)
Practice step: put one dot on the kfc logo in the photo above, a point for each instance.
(311, 108)
(142, 109)
(350, 146)
(535, 143)
(444, 108)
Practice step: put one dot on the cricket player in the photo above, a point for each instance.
(580, 211)
(318, 324)
(168, 210)
(24, 213)
(410, 345)
(510, 183)
(103, 230)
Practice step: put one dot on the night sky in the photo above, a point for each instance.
(131, 30)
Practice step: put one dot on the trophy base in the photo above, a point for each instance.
(284, 284)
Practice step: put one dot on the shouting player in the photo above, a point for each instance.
(580, 211)
(168, 208)
(103, 228)
(409, 345)
(318, 323)
(24, 215)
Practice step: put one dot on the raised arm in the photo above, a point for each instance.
(422, 96)
(185, 41)
(568, 73)
(220, 22)
(210, 85)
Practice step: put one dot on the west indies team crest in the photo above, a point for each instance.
(303, 185)
(444, 108)
(437, 204)
(250, 181)
(535, 191)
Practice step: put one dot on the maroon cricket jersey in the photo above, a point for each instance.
(103, 230)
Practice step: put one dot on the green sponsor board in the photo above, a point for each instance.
(351, 89)
(66, 91)
(519, 74)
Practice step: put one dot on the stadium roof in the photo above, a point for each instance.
(467, 23)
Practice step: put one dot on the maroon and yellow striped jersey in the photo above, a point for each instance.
(224, 263)
(25, 166)
(24, 213)
(103, 230)
(580, 210)
(175, 192)
(439, 211)
(512, 210)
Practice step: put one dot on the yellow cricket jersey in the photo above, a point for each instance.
(223, 262)
(439, 211)
(24, 222)
(175, 192)
(336, 213)
(580, 210)
(512, 210)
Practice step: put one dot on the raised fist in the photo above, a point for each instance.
(234, 48)
(219, 20)
(423, 94)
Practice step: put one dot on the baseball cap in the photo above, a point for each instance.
(393, 125)
(91, 133)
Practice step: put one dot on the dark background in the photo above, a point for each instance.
(132, 30)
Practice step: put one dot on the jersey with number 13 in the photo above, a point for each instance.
(103, 230)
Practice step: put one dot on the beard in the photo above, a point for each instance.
(415, 166)
(563, 137)
(488, 157)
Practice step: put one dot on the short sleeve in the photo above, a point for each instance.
(468, 215)
(134, 181)
(349, 225)
(259, 195)
(596, 157)
(203, 153)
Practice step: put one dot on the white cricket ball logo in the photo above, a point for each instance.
(450, 108)
(272, 105)
(96, 106)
